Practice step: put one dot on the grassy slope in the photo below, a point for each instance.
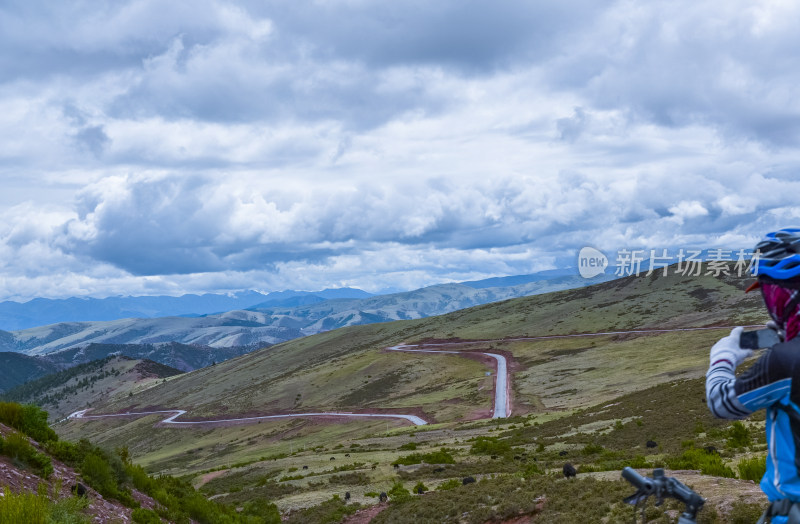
(18, 369)
(672, 414)
(346, 369)
(103, 380)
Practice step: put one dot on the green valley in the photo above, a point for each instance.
(594, 374)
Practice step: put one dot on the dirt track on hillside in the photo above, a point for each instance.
(365, 516)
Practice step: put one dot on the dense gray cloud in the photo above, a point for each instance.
(194, 224)
(731, 66)
(470, 36)
(215, 145)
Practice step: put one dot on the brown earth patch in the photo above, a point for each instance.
(208, 477)
(478, 414)
(365, 516)
(523, 519)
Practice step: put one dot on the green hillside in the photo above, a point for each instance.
(48, 480)
(18, 369)
(518, 461)
(347, 368)
(566, 395)
(184, 357)
(113, 377)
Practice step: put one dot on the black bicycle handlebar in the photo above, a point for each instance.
(638, 481)
(662, 486)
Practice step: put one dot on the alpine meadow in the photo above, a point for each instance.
(572, 400)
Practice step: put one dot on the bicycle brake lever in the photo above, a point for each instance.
(636, 498)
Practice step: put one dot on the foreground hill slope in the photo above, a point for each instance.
(517, 464)
(52, 480)
(47, 480)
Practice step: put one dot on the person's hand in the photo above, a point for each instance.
(728, 349)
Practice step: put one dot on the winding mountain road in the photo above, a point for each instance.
(178, 412)
(502, 406)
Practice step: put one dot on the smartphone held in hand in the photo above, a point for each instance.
(762, 338)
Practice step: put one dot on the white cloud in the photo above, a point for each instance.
(688, 209)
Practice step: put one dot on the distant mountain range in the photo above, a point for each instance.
(44, 311)
(516, 280)
(275, 318)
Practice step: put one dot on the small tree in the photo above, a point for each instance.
(398, 493)
(738, 435)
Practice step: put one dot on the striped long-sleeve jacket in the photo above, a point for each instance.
(772, 383)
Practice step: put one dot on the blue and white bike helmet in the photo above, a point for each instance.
(779, 255)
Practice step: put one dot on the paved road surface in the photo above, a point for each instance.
(178, 412)
(502, 409)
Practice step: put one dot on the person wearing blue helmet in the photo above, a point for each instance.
(773, 382)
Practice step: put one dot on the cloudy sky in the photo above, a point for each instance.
(152, 147)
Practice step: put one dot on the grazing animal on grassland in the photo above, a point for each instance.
(467, 480)
(569, 470)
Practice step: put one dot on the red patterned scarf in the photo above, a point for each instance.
(777, 299)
